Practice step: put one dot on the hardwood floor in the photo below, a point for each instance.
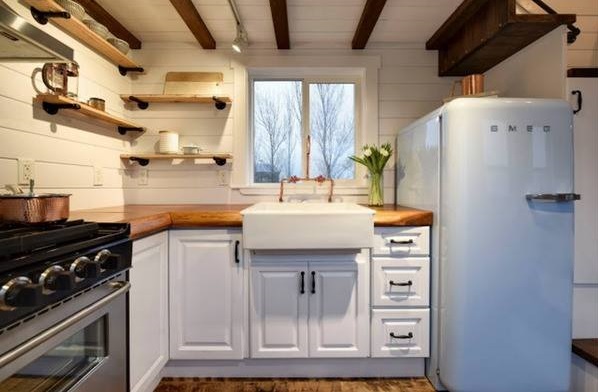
(169, 384)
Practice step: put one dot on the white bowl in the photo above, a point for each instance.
(75, 9)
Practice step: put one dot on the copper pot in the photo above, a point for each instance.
(34, 207)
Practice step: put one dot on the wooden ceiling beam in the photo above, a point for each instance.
(98, 12)
(369, 18)
(281, 23)
(193, 20)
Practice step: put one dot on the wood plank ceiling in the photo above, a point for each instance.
(308, 23)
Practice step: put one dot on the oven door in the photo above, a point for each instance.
(85, 351)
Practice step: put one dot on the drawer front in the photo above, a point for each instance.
(401, 282)
(400, 333)
(402, 242)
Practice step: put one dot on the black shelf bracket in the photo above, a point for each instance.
(573, 32)
(123, 130)
(220, 104)
(219, 161)
(42, 17)
(140, 161)
(53, 108)
(124, 70)
(141, 104)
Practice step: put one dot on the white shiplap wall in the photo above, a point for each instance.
(64, 149)
(584, 52)
(408, 88)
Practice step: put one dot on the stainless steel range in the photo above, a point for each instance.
(63, 307)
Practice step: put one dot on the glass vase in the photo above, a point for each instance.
(376, 193)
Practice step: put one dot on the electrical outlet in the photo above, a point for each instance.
(26, 170)
(98, 176)
(142, 179)
(222, 177)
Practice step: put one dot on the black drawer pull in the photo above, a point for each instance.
(313, 282)
(302, 291)
(237, 260)
(408, 283)
(401, 242)
(408, 336)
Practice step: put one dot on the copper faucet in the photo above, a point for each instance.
(294, 179)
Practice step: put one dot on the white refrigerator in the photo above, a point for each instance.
(498, 175)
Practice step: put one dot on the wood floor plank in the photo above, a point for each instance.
(170, 384)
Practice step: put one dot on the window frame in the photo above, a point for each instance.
(307, 80)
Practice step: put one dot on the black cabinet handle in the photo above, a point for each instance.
(237, 243)
(302, 291)
(408, 336)
(579, 101)
(408, 283)
(313, 282)
(401, 242)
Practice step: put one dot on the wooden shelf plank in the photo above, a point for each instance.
(173, 98)
(219, 158)
(86, 110)
(78, 30)
(201, 155)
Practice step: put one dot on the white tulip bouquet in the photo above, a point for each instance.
(374, 159)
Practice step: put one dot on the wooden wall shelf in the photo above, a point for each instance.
(81, 32)
(482, 33)
(52, 104)
(143, 159)
(143, 100)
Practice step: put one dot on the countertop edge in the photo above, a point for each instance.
(183, 217)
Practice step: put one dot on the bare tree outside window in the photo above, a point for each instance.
(332, 123)
(277, 130)
(277, 123)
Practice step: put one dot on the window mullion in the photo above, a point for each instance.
(305, 125)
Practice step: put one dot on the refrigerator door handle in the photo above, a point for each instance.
(553, 197)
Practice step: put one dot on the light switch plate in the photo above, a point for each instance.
(98, 176)
(26, 169)
(143, 177)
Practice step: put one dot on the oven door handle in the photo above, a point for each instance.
(121, 288)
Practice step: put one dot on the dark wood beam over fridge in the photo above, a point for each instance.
(367, 22)
(98, 12)
(483, 33)
(193, 20)
(281, 23)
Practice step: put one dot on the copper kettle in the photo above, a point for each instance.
(61, 78)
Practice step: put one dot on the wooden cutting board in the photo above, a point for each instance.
(198, 83)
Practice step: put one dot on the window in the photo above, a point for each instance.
(303, 128)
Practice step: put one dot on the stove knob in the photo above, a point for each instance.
(56, 278)
(84, 268)
(107, 260)
(20, 292)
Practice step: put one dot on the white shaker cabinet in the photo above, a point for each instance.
(148, 311)
(279, 310)
(206, 294)
(339, 309)
(317, 308)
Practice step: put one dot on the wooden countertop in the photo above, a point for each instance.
(147, 219)
(587, 349)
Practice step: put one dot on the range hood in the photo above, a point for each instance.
(21, 41)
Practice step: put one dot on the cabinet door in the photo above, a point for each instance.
(148, 311)
(206, 294)
(339, 309)
(279, 310)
